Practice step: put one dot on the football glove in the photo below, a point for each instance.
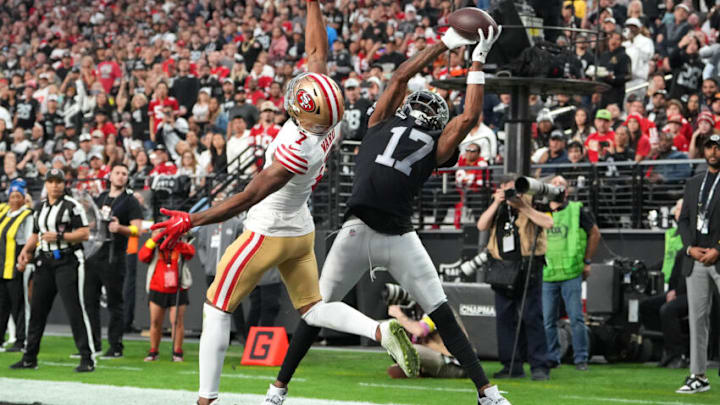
(485, 44)
(172, 229)
(453, 40)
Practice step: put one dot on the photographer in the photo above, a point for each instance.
(515, 229)
(571, 244)
(122, 216)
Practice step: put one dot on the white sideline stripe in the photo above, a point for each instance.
(625, 401)
(415, 387)
(245, 376)
(73, 393)
(97, 365)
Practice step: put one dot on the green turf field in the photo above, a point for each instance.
(360, 376)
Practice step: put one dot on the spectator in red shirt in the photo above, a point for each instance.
(155, 108)
(108, 71)
(675, 126)
(675, 107)
(104, 124)
(164, 270)
(265, 131)
(706, 128)
(276, 96)
(164, 165)
(602, 142)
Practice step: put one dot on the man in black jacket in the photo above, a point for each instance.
(617, 63)
(185, 87)
(699, 227)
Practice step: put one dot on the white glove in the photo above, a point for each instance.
(485, 44)
(453, 40)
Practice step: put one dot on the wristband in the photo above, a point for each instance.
(133, 230)
(476, 77)
(587, 261)
(687, 251)
(150, 244)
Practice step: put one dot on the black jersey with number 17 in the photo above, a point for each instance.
(396, 157)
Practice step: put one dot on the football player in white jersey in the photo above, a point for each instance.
(279, 229)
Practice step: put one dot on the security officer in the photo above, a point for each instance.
(122, 215)
(16, 226)
(571, 245)
(60, 228)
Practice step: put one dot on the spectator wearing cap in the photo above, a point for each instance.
(98, 172)
(640, 49)
(705, 128)
(674, 127)
(52, 117)
(687, 67)
(555, 154)
(265, 131)
(674, 29)
(69, 150)
(164, 165)
(240, 145)
(657, 114)
(354, 124)
(639, 139)
(545, 126)
(675, 107)
(83, 151)
(618, 66)
(98, 141)
(227, 99)
(671, 172)
(602, 142)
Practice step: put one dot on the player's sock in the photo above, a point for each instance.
(213, 344)
(458, 344)
(341, 317)
(302, 339)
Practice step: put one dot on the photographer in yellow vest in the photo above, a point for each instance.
(571, 244)
(16, 225)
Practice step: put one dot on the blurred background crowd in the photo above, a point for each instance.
(195, 88)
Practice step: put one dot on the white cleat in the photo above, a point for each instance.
(275, 395)
(398, 345)
(493, 397)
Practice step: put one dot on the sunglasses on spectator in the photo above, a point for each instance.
(472, 150)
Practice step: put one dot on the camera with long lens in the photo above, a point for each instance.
(463, 271)
(396, 295)
(538, 189)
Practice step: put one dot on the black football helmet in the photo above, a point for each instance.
(428, 108)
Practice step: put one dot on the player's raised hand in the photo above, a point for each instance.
(172, 229)
(485, 43)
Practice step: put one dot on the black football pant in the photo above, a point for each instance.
(668, 317)
(65, 276)
(12, 302)
(129, 291)
(264, 305)
(532, 345)
(101, 272)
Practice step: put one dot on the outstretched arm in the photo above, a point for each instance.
(394, 95)
(316, 42)
(265, 183)
(460, 126)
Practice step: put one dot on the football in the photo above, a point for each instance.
(468, 20)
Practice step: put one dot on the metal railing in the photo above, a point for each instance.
(619, 194)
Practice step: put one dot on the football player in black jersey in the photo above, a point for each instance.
(407, 138)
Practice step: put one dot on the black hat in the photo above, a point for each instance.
(160, 147)
(713, 140)
(55, 174)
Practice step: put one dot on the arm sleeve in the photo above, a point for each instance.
(292, 158)
(35, 227)
(146, 253)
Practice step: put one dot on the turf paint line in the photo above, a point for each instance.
(415, 387)
(73, 393)
(625, 401)
(97, 365)
(246, 376)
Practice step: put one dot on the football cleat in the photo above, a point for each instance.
(492, 397)
(694, 384)
(398, 345)
(314, 102)
(25, 364)
(275, 395)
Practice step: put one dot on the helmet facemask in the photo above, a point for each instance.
(429, 109)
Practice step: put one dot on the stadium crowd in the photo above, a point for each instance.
(186, 87)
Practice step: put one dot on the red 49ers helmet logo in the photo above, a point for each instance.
(305, 101)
